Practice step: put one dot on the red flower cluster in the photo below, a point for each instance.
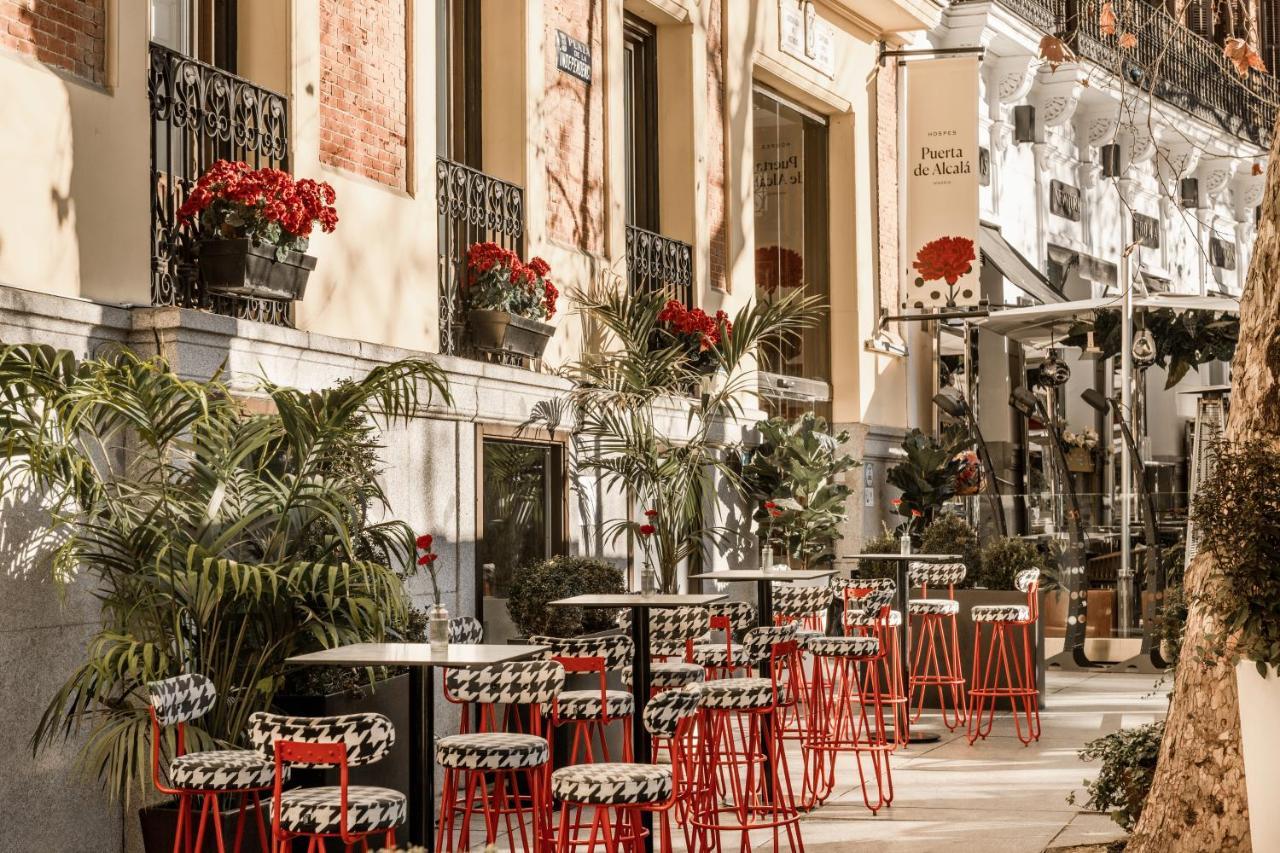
(492, 265)
(262, 196)
(696, 325)
(424, 545)
(945, 257)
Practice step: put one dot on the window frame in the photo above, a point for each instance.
(640, 140)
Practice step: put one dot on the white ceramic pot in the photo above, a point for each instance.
(1260, 743)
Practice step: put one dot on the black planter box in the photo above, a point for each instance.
(240, 267)
(498, 331)
(160, 822)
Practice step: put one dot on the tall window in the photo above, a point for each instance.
(640, 121)
(201, 29)
(458, 60)
(791, 234)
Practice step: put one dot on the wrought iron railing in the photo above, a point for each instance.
(471, 207)
(199, 114)
(655, 262)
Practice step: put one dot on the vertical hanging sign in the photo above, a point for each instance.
(940, 193)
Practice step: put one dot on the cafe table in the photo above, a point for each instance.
(641, 676)
(902, 561)
(422, 660)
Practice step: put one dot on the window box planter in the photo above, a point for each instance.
(1260, 745)
(240, 267)
(498, 331)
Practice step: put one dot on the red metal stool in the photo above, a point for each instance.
(935, 643)
(202, 776)
(723, 660)
(840, 722)
(1017, 666)
(805, 607)
(672, 634)
(744, 743)
(589, 712)
(351, 813)
(618, 793)
(867, 613)
(483, 770)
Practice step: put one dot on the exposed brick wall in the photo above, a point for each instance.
(717, 220)
(66, 34)
(574, 121)
(886, 101)
(363, 91)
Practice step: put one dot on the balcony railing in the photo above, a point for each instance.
(658, 263)
(471, 207)
(200, 114)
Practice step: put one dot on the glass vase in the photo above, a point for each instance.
(766, 558)
(438, 627)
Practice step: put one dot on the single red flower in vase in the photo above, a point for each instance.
(424, 542)
(915, 513)
(897, 502)
(945, 258)
(647, 529)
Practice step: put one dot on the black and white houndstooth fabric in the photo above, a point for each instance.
(221, 770)
(612, 783)
(517, 683)
(586, 704)
(840, 585)
(791, 601)
(870, 618)
(496, 751)
(672, 673)
(1000, 613)
(615, 650)
(466, 631)
(367, 737)
(716, 654)
(319, 810)
(665, 711)
(757, 646)
(741, 614)
(936, 574)
(933, 607)
(1025, 579)
(842, 647)
(737, 694)
(671, 628)
(182, 698)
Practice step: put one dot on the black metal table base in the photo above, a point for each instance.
(422, 777)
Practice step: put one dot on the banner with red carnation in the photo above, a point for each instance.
(940, 187)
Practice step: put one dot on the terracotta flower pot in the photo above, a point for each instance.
(498, 331)
(240, 267)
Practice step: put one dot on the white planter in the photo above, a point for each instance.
(1260, 743)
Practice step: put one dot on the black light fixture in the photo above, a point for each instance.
(1189, 190)
(1025, 402)
(1053, 371)
(1110, 156)
(1096, 399)
(1024, 123)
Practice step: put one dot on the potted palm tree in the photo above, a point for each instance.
(508, 301)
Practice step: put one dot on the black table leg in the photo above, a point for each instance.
(904, 630)
(422, 777)
(764, 596)
(642, 684)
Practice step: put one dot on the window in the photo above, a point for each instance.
(791, 243)
(640, 121)
(201, 29)
(458, 75)
(522, 520)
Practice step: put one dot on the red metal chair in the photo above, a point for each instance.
(589, 712)
(1010, 670)
(868, 613)
(203, 776)
(733, 619)
(805, 607)
(936, 645)
(673, 633)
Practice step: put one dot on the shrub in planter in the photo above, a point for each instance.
(1128, 767)
(1002, 558)
(253, 228)
(535, 585)
(508, 301)
(949, 533)
(885, 542)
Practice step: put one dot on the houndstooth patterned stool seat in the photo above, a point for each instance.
(868, 619)
(587, 704)
(1000, 613)
(314, 811)
(933, 606)
(495, 751)
(670, 673)
(220, 770)
(612, 783)
(717, 655)
(737, 694)
(839, 647)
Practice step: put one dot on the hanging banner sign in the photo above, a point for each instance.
(940, 193)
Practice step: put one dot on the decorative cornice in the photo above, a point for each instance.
(1012, 78)
(1056, 93)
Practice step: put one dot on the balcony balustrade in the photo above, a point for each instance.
(199, 114)
(658, 263)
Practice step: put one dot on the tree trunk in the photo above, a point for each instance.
(1197, 799)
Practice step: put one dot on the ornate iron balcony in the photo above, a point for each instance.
(200, 114)
(658, 263)
(471, 207)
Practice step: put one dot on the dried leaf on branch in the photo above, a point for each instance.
(1128, 41)
(1055, 51)
(1107, 19)
(1243, 56)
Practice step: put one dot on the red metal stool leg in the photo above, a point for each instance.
(936, 663)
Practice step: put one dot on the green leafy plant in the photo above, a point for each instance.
(949, 533)
(1238, 514)
(799, 467)
(1003, 557)
(219, 540)
(1184, 339)
(927, 475)
(884, 542)
(1128, 766)
(535, 585)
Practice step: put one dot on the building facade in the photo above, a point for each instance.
(717, 149)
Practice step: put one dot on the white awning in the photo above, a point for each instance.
(1041, 326)
(1013, 266)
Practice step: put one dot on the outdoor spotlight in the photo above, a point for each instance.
(950, 404)
(1144, 349)
(1024, 402)
(1110, 156)
(1054, 371)
(1024, 123)
(1096, 399)
(1189, 189)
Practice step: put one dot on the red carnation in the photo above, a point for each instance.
(650, 513)
(770, 505)
(915, 513)
(775, 512)
(424, 542)
(647, 529)
(945, 258)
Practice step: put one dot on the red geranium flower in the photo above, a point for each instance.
(647, 529)
(945, 258)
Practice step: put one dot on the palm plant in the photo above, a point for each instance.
(619, 389)
(219, 540)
